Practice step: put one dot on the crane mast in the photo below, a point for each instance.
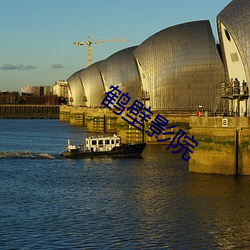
(89, 43)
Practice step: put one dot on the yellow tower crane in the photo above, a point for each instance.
(89, 43)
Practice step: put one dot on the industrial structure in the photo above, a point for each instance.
(171, 66)
(234, 34)
(176, 72)
(180, 68)
(89, 44)
(75, 90)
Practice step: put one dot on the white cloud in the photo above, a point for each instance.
(21, 66)
(57, 66)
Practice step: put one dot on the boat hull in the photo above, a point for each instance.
(127, 150)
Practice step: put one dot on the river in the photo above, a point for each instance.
(48, 202)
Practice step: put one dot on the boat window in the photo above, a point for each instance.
(117, 141)
(93, 142)
(107, 142)
(100, 142)
(112, 141)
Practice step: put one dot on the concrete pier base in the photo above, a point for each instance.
(224, 145)
(64, 113)
(102, 120)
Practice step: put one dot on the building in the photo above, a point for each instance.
(76, 92)
(9, 97)
(37, 90)
(180, 68)
(177, 69)
(38, 95)
(60, 89)
(234, 33)
(120, 69)
(92, 84)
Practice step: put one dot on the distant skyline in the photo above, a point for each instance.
(36, 35)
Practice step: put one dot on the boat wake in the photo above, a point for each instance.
(26, 154)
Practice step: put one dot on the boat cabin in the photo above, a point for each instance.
(105, 143)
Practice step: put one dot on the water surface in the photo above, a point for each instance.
(148, 203)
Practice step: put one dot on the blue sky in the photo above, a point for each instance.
(36, 35)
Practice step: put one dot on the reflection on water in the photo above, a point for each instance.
(108, 203)
(224, 201)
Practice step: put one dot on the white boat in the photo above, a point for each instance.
(103, 146)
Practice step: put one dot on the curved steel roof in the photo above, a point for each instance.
(93, 85)
(120, 69)
(76, 91)
(181, 67)
(236, 18)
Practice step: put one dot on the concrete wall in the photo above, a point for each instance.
(105, 121)
(219, 151)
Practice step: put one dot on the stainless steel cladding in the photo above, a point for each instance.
(180, 67)
(120, 69)
(175, 70)
(236, 19)
(93, 85)
(234, 33)
(75, 90)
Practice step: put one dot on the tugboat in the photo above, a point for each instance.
(104, 146)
